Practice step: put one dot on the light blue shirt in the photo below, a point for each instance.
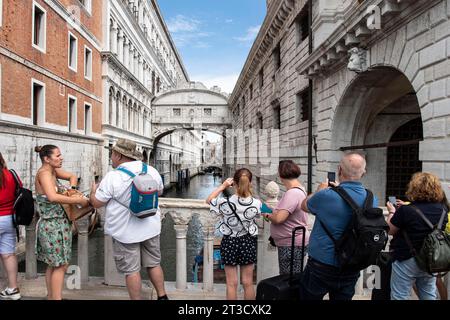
(328, 206)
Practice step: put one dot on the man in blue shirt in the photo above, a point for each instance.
(322, 274)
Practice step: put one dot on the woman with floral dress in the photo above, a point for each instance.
(54, 231)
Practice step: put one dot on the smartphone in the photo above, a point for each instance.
(265, 209)
(393, 200)
(331, 177)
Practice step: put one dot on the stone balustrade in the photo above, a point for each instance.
(181, 211)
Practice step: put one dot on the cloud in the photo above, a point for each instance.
(251, 34)
(226, 82)
(229, 21)
(181, 23)
(186, 31)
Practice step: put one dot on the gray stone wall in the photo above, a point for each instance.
(82, 156)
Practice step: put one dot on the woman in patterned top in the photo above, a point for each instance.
(54, 231)
(238, 226)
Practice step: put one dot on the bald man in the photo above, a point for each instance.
(322, 274)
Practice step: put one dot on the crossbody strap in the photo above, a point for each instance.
(237, 216)
(16, 179)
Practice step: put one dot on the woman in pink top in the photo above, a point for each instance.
(287, 215)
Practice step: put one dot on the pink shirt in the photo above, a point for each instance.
(282, 233)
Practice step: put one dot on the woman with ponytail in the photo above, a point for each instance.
(238, 215)
(54, 231)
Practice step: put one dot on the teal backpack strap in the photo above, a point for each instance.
(128, 172)
(144, 168)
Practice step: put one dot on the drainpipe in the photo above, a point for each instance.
(310, 107)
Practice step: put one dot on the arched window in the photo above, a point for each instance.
(118, 98)
(110, 105)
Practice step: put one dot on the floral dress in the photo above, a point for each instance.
(54, 234)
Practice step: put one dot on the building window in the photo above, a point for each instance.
(87, 118)
(39, 27)
(208, 112)
(87, 63)
(73, 52)
(302, 25)
(177, 112)
(277, 57)
(260, 121)
(302, 105)
(261, 78)
(37, 102)
(251, 92)
(87, 5)
(72, 114)
(277, 117)
(158, 84)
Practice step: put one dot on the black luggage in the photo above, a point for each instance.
(283, 287)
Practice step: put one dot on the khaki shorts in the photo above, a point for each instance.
(130, 257)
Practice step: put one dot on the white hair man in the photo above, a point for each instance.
(322, 274)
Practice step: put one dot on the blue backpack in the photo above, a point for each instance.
(144, 193)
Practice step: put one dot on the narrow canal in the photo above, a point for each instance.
(199, 188)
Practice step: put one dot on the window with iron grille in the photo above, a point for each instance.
(302, 105)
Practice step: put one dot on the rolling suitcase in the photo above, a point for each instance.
(283, 287)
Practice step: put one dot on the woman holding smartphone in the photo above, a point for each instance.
(238, 226)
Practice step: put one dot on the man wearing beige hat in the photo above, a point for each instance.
(135, 240)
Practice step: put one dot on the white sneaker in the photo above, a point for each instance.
(10, 294)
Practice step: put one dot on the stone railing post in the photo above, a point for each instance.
(267, 254)
(181, 219)
(30, 248)
(208, 222)
(83, 247)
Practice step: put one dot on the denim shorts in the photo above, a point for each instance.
(7, 235)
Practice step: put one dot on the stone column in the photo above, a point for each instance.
(126, 52)
(83, 248)
(136, 64)
(181, 220)
(267, 254)
(120, 45)
(140, 69)
(30, 249)
(113, 38)
(208, 222)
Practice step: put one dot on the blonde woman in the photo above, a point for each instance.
(409, 230)
(54, 232)
(239, 229)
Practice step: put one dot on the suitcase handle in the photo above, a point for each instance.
(294, 231)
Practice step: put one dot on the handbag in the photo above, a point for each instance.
(73, 211)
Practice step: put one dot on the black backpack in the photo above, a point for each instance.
(365, 236)
(24, 204)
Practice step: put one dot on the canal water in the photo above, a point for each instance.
(199, 188)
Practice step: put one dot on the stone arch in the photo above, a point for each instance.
(372, 107)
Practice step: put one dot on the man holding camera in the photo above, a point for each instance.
(322, 273)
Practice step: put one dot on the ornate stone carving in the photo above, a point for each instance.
(272, 190)
(358, 60)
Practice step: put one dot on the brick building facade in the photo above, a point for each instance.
(51, 84)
